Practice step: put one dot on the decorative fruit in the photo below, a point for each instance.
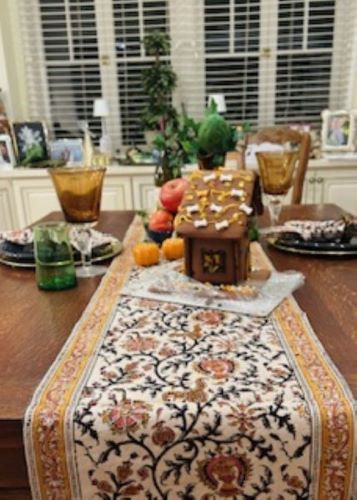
(172, 192)
(173, 248)
(146, 254)
(162, 220)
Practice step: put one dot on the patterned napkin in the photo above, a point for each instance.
(312, 230)
(25, 237)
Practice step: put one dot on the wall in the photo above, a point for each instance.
(12, 64)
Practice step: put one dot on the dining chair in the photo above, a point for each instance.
(283, 135)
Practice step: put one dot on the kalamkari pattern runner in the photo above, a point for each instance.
(154, 400)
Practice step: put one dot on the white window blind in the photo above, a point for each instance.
(276, 61)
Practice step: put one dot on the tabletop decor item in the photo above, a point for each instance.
(79, 191)
(67, 150)
(338, 130)
(215, 138)
(101, 109)
(7, 156)
(276, 173)
(213, 221)
(152, 399)
(30, 139)
(53, 257)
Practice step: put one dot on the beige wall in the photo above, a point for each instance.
(12, 65)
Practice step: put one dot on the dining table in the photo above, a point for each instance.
(35, 324)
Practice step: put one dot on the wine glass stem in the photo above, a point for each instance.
(275, 206)
(86, 260)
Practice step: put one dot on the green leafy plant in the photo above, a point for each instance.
(176, 144)
(159, 80)
(215, 137)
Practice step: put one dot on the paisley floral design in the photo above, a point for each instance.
(128, 416)
(216, 367)
(179, 402)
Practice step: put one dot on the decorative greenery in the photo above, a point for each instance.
(177, 145)
(215, 136)
(159, 80)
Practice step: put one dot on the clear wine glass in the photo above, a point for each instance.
(276, 172)
(79, 190)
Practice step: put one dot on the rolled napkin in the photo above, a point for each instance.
(312, 230)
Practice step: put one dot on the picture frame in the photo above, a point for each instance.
(338, 130)
(68, 150)
(7, 156)
(30, 141)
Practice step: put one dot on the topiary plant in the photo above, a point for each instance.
(215, 137)
(159, 80)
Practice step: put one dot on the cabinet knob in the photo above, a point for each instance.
(312, 180)
(319, 180)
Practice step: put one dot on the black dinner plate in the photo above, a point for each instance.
(23, 255)
(327, 248)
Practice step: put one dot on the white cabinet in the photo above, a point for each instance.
(117, 193)
(145, 193)
(7, 207)
(27, 195)
(327, 182)
(34, 199)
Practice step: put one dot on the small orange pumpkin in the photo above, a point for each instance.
(146, 254)
(173, 248)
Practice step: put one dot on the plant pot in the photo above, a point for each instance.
(205, 162)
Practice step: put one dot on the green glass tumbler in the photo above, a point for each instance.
(54, 258)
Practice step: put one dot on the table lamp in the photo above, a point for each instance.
(101, 110)
(219, 100)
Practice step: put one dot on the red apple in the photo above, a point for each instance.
(161, 220)
(171, 194)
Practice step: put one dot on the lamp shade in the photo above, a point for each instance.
(219, 100)
(100, 107)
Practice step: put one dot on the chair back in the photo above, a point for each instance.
(283, 135)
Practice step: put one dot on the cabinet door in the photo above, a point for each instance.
(145, 193)
(338, 187)
(34, 199)
(309, 191)
(117, 193)
(8, 219)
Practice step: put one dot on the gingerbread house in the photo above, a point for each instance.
(213, 220)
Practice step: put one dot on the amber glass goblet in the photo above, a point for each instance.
(79, 191)
(276, 172)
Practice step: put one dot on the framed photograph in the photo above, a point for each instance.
(7, 156)
(69, 150)
(30, 140)
(338, 130)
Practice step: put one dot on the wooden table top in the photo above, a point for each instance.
(35, 324)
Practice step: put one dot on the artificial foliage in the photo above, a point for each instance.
(215, 136)
(159, 80)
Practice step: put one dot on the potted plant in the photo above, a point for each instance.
(215, 137)
(175, 146)
(159, 80)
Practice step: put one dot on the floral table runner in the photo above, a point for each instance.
(154, 400)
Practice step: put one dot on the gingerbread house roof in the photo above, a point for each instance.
(218, 203)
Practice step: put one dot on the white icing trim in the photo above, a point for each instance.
(221, 225)
(192, 208)
(245, 208)
(200, 223)
(237, 193)
(215, 208)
